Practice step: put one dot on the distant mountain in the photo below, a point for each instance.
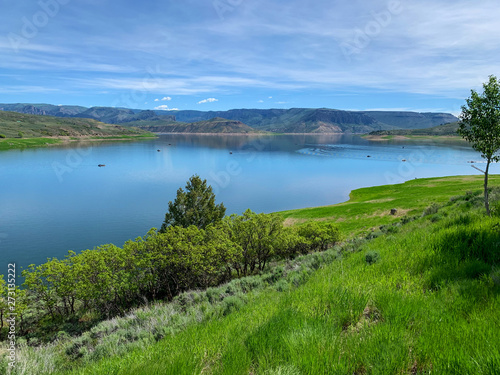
(215, 125)
(445, 129)
(13, 123)
(294, 120)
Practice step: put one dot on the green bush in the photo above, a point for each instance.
(232, 303)
(431, 210)
(371, 257)
(282, 285)
(2, 136)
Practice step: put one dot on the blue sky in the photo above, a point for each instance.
(221, 54)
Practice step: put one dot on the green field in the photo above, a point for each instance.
(11, 143)
(418, 296)
(18, 130)
(371, 207)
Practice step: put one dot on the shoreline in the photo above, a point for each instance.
(256, 134)
(409, 137)
(35, 142)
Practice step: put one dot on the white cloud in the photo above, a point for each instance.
(157, 100)
(209, 100)
(165, 108)
(166, 98)
(260, 101)
(270, 97)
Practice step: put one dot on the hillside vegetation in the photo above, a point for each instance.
(417, 294)
(214, 125)
(448, 130)
(23, 130)
(293, 120)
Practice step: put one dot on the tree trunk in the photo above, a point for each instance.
(486, 197)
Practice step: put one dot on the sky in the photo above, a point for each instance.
(421, 56)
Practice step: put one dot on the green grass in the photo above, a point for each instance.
(419, 298)
(428, 305)
(370, 207)
(11, 143)
(15, 127)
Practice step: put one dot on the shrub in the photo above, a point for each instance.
(2, 136)
(436, 217)
(282, 286)
(431, 210)
(371, 257)
(232, 303)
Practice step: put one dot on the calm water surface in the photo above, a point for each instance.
(57, 199)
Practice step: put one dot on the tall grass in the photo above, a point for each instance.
(425, 301)
(428, 305)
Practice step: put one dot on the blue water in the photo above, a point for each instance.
(57, 199)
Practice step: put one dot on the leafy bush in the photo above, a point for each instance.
(317, 236)
(431, 210)
(232, 303)
(371, 257)
(3, 136)
(282, 285)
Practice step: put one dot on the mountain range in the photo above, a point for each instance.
(294, 120)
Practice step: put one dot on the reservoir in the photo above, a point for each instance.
(57, 199)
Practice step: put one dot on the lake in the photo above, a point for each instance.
(57, 199)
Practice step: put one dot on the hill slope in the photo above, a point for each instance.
(214, 125)
(12, 123)
(421, 296)
(449, 129)
(294, 120)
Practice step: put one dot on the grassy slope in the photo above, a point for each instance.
(437, 132)
(370, 207)
(40, 130)
(429, 305)
(215, 125)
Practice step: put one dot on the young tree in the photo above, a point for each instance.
(480, 125)
(195, 206)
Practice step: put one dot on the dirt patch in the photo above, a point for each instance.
(399, 213)
(290, 221)
(380, 200)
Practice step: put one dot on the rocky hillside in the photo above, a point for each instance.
(17, 125)
(215, 125)
(294, 120)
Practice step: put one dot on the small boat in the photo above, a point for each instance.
(101, 165)
(368, 156)
(403, 160)
(158, 150)
(230, 153)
